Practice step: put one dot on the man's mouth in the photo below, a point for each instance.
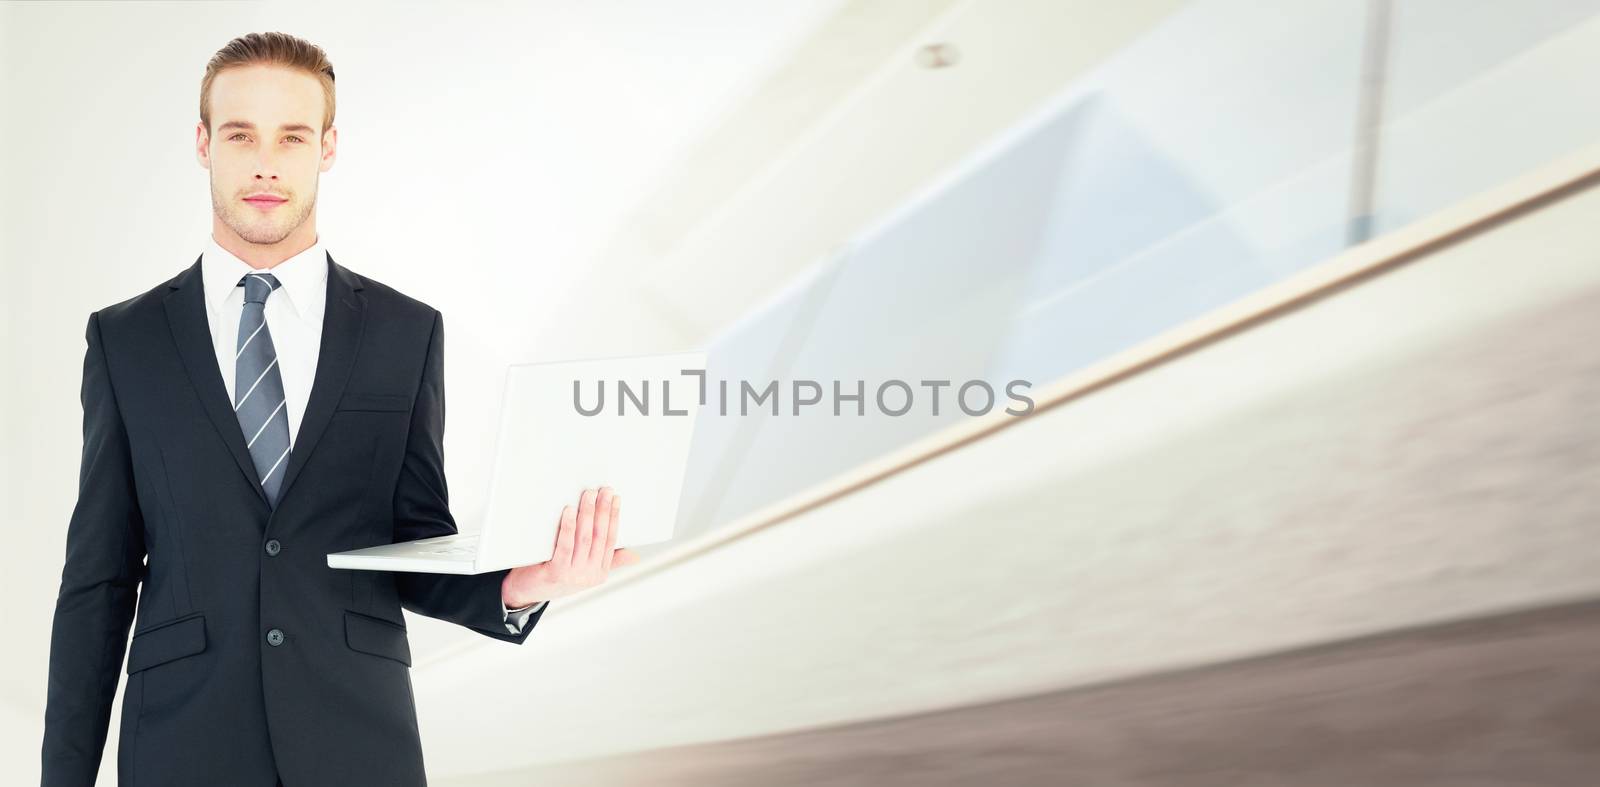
(265, 201)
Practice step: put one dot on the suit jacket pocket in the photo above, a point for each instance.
(377, 636)
(381, 402)
(167, 641)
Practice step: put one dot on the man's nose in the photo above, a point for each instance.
(265, 167)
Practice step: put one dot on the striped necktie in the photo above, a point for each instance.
(258, 399)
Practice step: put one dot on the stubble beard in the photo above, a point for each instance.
(256, 228)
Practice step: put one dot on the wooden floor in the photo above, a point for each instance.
(1511, 700)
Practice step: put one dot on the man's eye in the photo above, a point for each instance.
(295, 138)
(235, 136)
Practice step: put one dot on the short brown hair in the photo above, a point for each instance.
(270, 49)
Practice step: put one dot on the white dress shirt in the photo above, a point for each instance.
(294, 319)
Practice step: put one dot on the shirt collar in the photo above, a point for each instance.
(304, 276)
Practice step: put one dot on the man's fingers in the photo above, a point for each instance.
(602, 526)
(611, 535)
(580, 553)
(565, 537)
(624, 557)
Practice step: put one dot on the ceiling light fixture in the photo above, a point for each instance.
(937, 56)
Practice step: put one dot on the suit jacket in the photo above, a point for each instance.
(251, 660)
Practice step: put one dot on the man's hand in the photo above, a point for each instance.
(584, 553)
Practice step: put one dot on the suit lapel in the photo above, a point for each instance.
(344, 321)
(186, 316)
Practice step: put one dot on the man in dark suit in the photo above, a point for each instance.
(259, 410)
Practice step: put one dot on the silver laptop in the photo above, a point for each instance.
(567, 426)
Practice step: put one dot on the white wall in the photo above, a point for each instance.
(485, 150)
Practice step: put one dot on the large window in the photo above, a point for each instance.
(1233, 145)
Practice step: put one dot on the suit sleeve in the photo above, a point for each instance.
(517, 619)
(99, 585)
(422, 510)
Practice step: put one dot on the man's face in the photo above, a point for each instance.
(265, 141)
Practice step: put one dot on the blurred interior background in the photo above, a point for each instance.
(1307, 295)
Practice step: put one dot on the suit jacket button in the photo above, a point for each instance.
(275, 637)
(273, 547)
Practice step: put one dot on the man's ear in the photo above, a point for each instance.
(202, 145)
(330, 148)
